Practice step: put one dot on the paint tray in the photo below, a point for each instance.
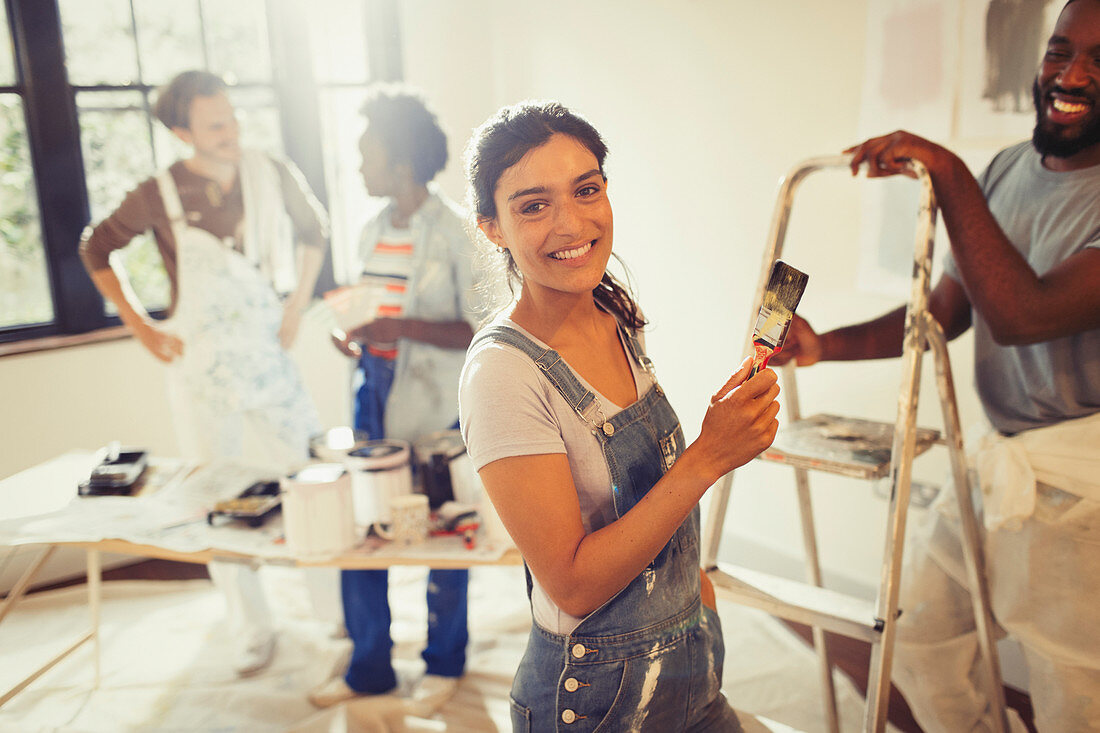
(844, 445)
(253, 505)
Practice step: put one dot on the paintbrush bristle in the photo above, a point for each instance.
(785, 288)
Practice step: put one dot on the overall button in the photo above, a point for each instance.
(568, 716)
(608, 429)
(571, 684)
(579, 651)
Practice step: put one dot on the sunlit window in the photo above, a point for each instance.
(152, 41)
(91, 124)
(24, 283)
(341, 69)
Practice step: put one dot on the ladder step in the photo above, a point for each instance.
(847, 446)
(799, 602)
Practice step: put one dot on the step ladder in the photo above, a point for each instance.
(861, 449)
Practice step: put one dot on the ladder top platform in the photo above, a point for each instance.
(843, 445)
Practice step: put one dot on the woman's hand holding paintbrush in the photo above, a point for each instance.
(740, 422)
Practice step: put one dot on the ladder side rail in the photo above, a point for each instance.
(777, 233)
(802, 482)
(781, 215)
(809, 544)
(776, 239)
(886, 607)
(716, 515)
(902, 453)
(719, 503)
(973, 553)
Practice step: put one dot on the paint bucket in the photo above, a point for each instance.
(317, 511)
(380, 471)
(446, 472)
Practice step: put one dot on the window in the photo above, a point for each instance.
(24, 284)
(121, 142)
(340, 68)
(84, 123)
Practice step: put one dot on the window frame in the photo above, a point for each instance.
(53, 136)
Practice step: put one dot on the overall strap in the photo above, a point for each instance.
(635, 346)
(550, 364)
(170, 196)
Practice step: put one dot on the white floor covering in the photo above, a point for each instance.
(165, 667)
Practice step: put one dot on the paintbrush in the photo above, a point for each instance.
(781, 296)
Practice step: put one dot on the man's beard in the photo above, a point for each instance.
(1050, 142)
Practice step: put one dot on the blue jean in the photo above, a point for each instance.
(365, 592)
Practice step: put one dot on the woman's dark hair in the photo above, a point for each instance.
(400, 119)
(173, 106)
(499, 143)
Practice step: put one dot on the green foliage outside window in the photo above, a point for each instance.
(24, 285)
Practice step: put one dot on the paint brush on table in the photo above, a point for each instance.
(781, 296)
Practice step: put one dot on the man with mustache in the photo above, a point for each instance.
(1024, 271)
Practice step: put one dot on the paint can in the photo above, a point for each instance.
(317, 511)
(447, 474)
(380, 472)
(445, 470)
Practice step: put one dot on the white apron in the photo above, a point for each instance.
(228, 317)
(1041, 500)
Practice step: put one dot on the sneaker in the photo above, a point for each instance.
(334, 691)
(256, 655)
(430, 694)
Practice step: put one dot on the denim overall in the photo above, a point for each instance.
(650, 659)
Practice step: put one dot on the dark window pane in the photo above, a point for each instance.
(99, 41)
(7, 60)
(236, 34)
(115, 139)
(337, 34)
(24, 284)
(169, 38)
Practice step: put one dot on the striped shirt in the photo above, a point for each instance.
(387, 272)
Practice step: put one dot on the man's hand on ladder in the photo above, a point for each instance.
(803, 345)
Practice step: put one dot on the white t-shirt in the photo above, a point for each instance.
(509, 408)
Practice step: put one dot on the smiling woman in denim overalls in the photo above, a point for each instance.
(582, 455)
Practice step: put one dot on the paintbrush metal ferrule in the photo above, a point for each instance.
(781, 297)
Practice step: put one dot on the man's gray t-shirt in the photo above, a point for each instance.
(1048, 216)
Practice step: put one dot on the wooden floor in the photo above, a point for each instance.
(850, 655)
